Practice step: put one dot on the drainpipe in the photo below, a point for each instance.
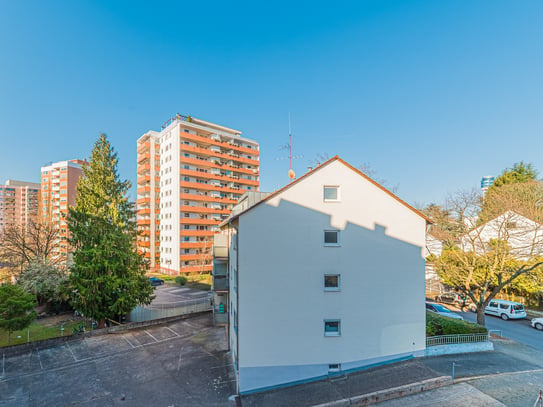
(236, 322)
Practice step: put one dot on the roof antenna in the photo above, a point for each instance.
(288, 146)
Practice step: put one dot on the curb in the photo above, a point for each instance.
(389, 394)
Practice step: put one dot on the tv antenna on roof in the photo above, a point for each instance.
(288, 146)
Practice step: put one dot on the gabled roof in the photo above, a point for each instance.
(316, 169)
(503, 214)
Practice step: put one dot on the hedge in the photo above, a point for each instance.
(438, 325)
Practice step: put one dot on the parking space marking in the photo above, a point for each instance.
(39, 358)
(148, 333)
(170, 329)
(130, 343)
(70, 349)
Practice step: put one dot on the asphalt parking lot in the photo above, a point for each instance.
(180, 363)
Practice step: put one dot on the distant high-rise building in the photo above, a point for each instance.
(18, 203)
(486, 182)
(190, 175)
(58, 192)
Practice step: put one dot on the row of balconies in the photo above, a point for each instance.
(214, 175)
(218, 142)
(227, 156)
(213, 163)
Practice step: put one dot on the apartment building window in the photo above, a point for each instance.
(331, 238)
(331, 282)
(331, 193)
(332, 327)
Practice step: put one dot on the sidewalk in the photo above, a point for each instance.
(508, 359)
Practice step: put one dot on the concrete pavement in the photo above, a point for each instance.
(511, 375)
(186, 363)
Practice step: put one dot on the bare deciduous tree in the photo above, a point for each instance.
(20, 246)
(490, 256)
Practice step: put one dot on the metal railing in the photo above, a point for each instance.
(455, 339)
(158, 311)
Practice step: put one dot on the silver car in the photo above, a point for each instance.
(441, 310)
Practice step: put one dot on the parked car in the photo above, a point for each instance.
(506, 309)
(156, 281)
(537, 323)
(453, 298)
(441, 310)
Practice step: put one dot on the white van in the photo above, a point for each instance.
(506, 309)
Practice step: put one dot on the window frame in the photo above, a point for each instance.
(337, 288)
(338, 196)
(332, 333)
(338, 240)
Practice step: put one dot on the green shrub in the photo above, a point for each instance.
(181, 280)
(438, 325)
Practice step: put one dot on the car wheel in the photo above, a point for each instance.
(539, 326)
(505, 317)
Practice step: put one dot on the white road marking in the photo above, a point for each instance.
(130, 343)
(70, 349)
(148, 333)
(170, 329)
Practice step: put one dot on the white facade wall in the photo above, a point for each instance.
(282, 262)
(169, 190)
(524, 236)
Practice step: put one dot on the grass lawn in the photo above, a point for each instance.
(39, 330)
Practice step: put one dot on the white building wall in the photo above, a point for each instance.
(282, 301)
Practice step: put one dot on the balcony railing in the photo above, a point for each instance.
(454, 339)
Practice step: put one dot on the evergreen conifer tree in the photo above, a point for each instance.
(108, 275)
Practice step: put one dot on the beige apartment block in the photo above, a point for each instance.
(190, 175)
(18, 203)
(58, 192)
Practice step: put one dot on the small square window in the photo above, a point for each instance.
(331, 237)
(331, 193)
(331, 282)
(332, 327)
(334, 367)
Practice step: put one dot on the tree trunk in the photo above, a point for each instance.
(101, 324)
(481, 315)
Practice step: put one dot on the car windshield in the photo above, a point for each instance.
(518, 307)
(440, 308)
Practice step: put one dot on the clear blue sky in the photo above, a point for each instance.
(431, 94)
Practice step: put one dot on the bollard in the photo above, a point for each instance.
(453, 371)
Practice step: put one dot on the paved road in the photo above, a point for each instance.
(169, 293)
(519, 330)
(510, 376)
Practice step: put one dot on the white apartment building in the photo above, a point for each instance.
(325, 276)
(190, 175)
